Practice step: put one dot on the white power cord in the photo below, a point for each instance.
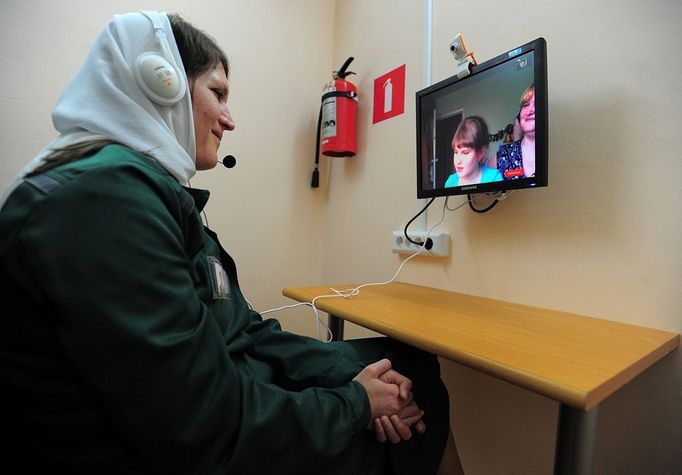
(348, 293)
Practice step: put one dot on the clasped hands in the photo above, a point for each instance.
(394, 413)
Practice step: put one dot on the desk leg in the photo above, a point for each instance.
(575, 441)
(336, 327)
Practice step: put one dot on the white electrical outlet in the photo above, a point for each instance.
(441, 243)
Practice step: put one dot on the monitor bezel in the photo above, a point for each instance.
(539, 48)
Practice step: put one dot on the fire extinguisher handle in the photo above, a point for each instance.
(342, 73)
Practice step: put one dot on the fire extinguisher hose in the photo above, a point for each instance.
(315, 181)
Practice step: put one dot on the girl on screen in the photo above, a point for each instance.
(469, 154)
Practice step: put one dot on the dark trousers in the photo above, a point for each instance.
(423, 452)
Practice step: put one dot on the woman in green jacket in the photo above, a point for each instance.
(131, 348)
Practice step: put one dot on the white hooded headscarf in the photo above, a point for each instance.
(105, 101)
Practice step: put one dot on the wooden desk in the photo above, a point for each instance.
(573, 359)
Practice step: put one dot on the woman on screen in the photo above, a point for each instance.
(517, 159)
(469, 154)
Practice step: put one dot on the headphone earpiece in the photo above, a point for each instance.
(159, 79)
(158, 75)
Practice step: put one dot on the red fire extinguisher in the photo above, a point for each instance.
(336, 122)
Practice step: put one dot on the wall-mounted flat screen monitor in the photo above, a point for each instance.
(486, 132)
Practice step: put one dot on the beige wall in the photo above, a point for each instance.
(603, 239)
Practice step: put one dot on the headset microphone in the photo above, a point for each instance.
(229, 161)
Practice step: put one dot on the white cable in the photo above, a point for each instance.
(356, 290)
(248, 303)
(460, 205)
(318, 320)
(348, 293)
(284, 307)
(351, 292)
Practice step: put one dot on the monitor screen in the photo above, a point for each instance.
(486, 132)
